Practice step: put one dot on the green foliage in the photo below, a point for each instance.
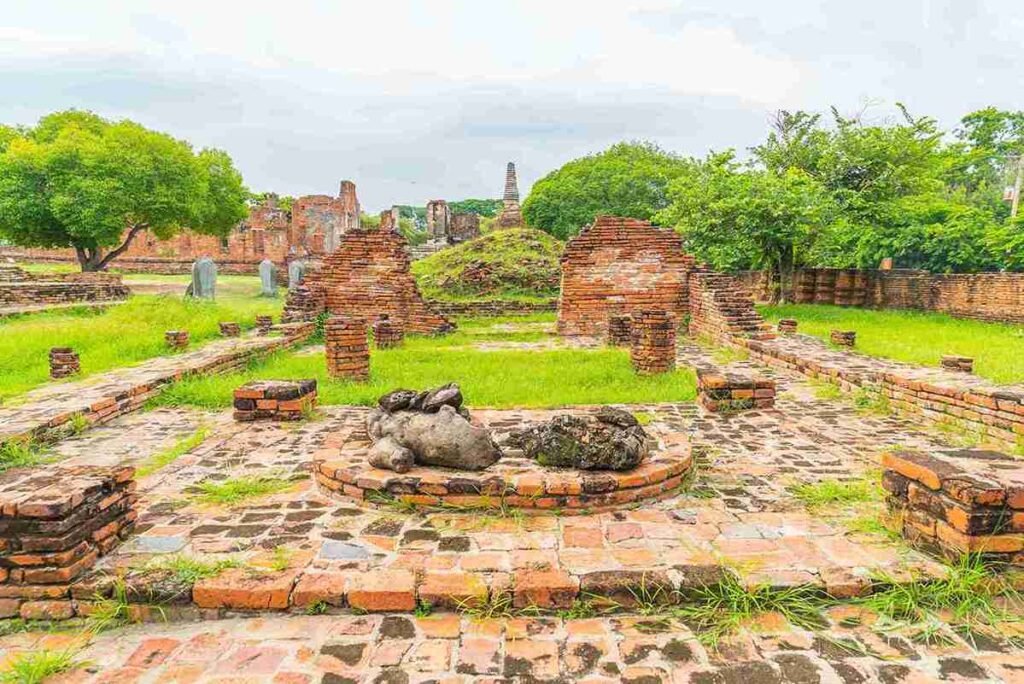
(190, 569)
(628, 179)
(77, 180)
(829, 493)
(514, 264)
(21, 453)
(35, 667)
(237, 490)
(483, 207)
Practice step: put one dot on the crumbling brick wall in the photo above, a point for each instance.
(621, 266)
(20, 288)
(369, 275)
(464, 227)
(721, 307)
(320, 221)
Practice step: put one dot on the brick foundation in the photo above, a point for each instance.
(620, 330)
(20, 288)
(957, 502)
(64, 362)
(264, 324)
(787, 326)
(230, 329)
(176, 339)
(54, 524)
(347, 349)
(653, 342)
(274, 400)
(620, 266)
(961, 364)
(720, 392)
(843, 338)
(387, 335)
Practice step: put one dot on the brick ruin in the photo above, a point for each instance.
(439, 217)
(20, 288)
(653, 342)
(389, 219)
(721, 307)
(347, 348)
(464, 226)
(721, 392)
(620, 266)
(511, 215)
(319, 221)
(367, 276)
(278, 400)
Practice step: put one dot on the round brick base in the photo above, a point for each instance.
(514, 481)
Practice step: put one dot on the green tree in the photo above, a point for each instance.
(483, 207)
(628, 179)
(80, 181)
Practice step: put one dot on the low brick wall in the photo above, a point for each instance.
(20, 288)
(282, 400)
(54, 524)
(957, 502)
(491, 307)
(723, 392)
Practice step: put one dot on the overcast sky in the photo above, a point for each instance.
(421, 100)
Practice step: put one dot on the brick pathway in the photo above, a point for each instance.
(396, 649)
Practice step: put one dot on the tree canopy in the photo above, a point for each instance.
(483, 207)
(81, 181)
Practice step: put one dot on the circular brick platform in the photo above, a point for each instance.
(514, 481)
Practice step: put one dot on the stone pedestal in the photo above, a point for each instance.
(957, 502)
(730, 392)
(961, 364)
(230, 329)
(274, 400)
(63, 362)
(843, 338)
(620, 330)
(264, 324)
(386, 334)
(787, 326)
(176, 339)
(348, 352)
(653, 342)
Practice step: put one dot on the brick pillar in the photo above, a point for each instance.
(230, 329)
(961, 364)
(386, 333)
(63, 362)
(348, 353)
(843, 338)
(176, 339)
(787, 326)
(620, 330)
(653, 347)
(263, 324)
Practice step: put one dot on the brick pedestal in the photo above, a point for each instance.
(843, 338)
(620, 330)
(176, 339)
(386, 333)
(302, 304)
(63, 362)
(348, 352)
(787, 326)
(230, 329)
(653, 342)
(961, 364)
(956, 502)
(264, 324)
(54, 523)
(275, 400)
(728, 392)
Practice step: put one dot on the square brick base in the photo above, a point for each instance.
(275, 400)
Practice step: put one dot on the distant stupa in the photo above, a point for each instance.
(511, 215)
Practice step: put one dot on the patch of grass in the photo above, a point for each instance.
(168, 456)
(826, 391)
(317, 608)
(423, 609)
(237, 490)
(879, 523)
(110, 612)
(22, 453)
(643, 417)
(496, 606)
(838, 493)
(190, 569)
(76, 425)
(723, 356)
(871, 401)
(114, 337)
(500, 379)
(35, 667)
(916, 336)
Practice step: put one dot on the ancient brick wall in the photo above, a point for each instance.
(721, 306)
(369, 275)
(620, 266)
(464, 227)
(19, 288)
(320, 221)
(439, 217)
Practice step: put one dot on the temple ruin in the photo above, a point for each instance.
(511, 215)
(319, 221)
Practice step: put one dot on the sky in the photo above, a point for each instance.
(429, 100)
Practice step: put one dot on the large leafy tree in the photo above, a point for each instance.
(80, 181)
(628, 179)
(483, 207)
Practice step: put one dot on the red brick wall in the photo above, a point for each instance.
(621, 265)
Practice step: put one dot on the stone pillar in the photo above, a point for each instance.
(348, 353)
(787, 326)
(960, 364)
(620, 330)
(230, 329)
(263, 324)
(176, 339)
(653, 348)
(63, 362)
(843, 338)
(386, 333)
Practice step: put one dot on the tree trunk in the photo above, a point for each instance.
(91, 259)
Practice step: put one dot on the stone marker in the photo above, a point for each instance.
(176, 339)
(720, 392)
(268, 278)
(347, 349)
(296, 273)
(843, 338)
(204, 279)
(63, 362)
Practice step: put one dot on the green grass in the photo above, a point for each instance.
(114, 337)
(916, 336)
(22, 453)
(238, 490)
(35, 667)
(517, 264)
(837, 493)
(190, 569)
(168, 456)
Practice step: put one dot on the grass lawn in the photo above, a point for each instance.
(917, 336)
(501, 379)
(114, 337)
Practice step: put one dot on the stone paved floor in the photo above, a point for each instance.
(448, 649)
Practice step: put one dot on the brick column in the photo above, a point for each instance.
(348, 353)
(386, 333)
(653, 348)
(263, 324)
(230, 329)
(176, 339)
(843, 338)
(787, 326)
(620, 330)
(63, 362)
